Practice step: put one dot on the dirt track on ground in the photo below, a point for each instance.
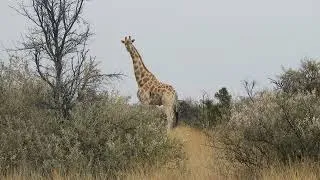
(198, 163)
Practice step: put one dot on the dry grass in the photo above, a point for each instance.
(54, 176)
(301, 171)
(199, 164)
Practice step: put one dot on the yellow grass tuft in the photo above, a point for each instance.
(302, 171)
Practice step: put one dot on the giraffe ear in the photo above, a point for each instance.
(122, 41)
(132, 40)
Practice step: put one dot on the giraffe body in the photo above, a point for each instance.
(150, 90)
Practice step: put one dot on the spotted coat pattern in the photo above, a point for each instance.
(150, 90)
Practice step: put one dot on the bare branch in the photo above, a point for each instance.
(57, 44)
(249, 88)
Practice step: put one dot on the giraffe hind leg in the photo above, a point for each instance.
(176, 118)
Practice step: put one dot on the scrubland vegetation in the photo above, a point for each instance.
(104, 136)
(268, 131)
(59, 120)
(269, 134)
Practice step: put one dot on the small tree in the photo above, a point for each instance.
(224, 105)
(214, 113)
(57, 44)
(224, 97)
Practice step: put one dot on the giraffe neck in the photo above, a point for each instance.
(141, 72)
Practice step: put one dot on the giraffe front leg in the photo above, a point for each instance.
(170, 117)
(144, 97)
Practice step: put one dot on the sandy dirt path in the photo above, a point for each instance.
(198, 163)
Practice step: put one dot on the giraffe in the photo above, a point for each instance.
(150, 90)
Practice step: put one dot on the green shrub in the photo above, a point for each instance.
(275, 127)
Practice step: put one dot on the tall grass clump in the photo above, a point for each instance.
(272, 128)
(105, 136)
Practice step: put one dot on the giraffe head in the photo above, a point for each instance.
(127, 40)
(128, 43)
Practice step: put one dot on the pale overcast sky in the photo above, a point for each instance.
(195, 45)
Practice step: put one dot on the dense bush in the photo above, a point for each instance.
(104, 136)
(207, 113)
(189, 111)
(274, 127)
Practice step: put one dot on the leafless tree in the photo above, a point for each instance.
(249, 88)
(57, 44)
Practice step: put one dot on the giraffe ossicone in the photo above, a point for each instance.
(150, 90)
